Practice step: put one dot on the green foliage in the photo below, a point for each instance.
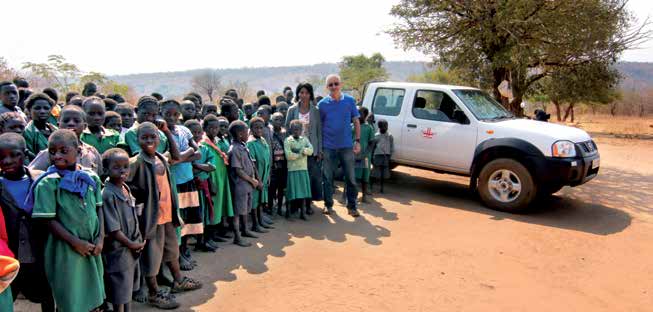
(357, 70)
(521, 41)
(94, 77)
(56, 71)
(439, 74)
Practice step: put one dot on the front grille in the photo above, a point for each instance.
(587, 147)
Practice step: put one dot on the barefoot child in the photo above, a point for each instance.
(259, 149)
(362, 160)
(279, 171)
(69, 199)
(96, 135)
(201, 170)
(219, 178)
(124, 241)
(153, 186)
(26, 238)
(38, 130)
(243, 178)
(298, 148)
(384, 147)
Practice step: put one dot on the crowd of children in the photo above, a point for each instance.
(101, 199)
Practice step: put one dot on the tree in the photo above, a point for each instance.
(438, 74)
(98, 79)
(6, 72)
(357, 70)
(59, 73)
(592, 83)
(207, 82)
(521, 41)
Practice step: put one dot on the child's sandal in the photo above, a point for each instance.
(186, 284)
(162, 301)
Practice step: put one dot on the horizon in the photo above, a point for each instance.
(193, 37)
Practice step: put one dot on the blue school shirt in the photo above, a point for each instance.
(17, 189)
(183, 172)
(336, 119)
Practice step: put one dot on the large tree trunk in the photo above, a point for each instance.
(499, 75)
(515, 105)
(569, 111)
(558, 111)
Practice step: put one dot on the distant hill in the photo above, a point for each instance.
(273, 79)
(270, 79)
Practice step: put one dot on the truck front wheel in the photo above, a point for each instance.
(505, 184)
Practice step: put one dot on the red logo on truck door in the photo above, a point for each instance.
(427, 133)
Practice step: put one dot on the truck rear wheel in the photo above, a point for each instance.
(506, 185)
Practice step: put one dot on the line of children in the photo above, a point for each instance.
(187, 180)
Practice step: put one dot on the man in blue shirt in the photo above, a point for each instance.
(337, 112)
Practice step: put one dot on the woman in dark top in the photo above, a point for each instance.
(307, 112)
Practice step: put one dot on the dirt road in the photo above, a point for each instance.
(428, 245)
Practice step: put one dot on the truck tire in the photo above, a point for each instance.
(506, 185)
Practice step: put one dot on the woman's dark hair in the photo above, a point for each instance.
(308, 87)
(38, 96)
(52, 93)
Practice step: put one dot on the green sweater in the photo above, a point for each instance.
(297, 161)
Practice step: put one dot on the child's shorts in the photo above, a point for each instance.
(163, 247)
(242, 202)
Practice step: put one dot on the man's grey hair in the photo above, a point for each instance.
(326, 81)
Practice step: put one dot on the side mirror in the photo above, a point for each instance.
(460, 117)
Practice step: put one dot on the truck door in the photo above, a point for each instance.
(437, 133)
(386, 105)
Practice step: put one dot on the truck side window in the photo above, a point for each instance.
(434, 105)
(387, 102)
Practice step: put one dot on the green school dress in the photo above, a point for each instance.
(35, 140)
(219, 183)
(299, 183)
(6, 300)
(76, 281)
(259, 149)
(224, 145)
(109, 139)
(363, 159)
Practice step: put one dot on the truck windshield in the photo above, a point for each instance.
(483, 106)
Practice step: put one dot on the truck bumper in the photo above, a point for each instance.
(570, 171)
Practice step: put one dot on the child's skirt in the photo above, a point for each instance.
(299, 185)
(6, 300)
(190, 209)
(362, 169)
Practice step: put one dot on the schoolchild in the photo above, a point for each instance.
(279, 170)
(96, 134)
(297, 149)
(259, 149)
(38, 130)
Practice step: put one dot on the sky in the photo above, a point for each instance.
(139, 36)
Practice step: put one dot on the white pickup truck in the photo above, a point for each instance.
(464, 131)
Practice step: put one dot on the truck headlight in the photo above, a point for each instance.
(563, 149)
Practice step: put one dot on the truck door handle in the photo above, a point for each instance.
(411, 126)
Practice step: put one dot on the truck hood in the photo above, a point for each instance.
(541, 134)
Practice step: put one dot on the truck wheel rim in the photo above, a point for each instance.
(504, 185)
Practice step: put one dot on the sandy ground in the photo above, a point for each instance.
(429, 245)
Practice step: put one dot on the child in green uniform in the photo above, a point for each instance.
(298, 148)
(95, 134)
(223, 138)
(202, 167)
(362, 165)
(113, 121)
(148, 110)
(69, 198)
(259, 149)
(124, 241)
(38, 129)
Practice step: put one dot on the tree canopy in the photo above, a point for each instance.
(521, 41)
(357, 70)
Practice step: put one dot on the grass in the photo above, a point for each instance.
(620, 126)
